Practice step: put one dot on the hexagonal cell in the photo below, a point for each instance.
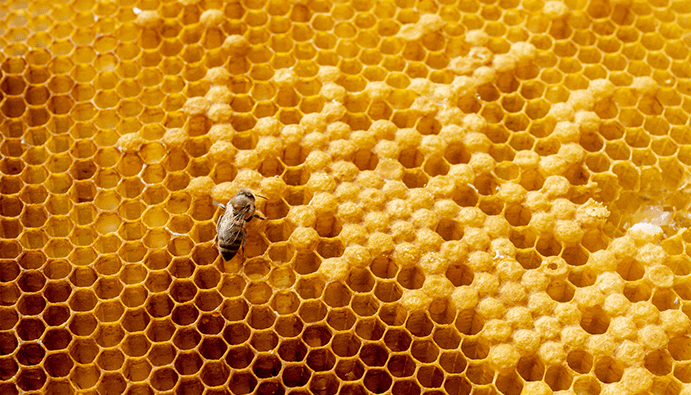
(8, 318)
(83, 324)
(285, 302)
(312, 311)
(30, 354)
(136, 370)
(30, 329)
(608, 370)
(185, 314)
(659, 362)
(187, 363)
(377, 380)
(31, 379)
(186, 338)
(360, 280)
(310, 287)
(558, 378)
(560, 290)
(235, 309)
(411, 277)
(31, 304)
(163, 379)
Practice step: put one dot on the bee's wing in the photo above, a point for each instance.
(239, 218)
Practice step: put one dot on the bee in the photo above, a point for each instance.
(230, 229)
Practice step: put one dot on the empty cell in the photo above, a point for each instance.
(680, 348)
(560, 290)
(665, 299)
(235, 309)
(181, 290)
(377, 380)
(34, 216)
(447, 338)
(683, 372)
(321, 360)
(258, 293)
(285, 302)
(8, 272)
(393, 314)
(364, 305)
(83, 300)
(159, 305)
(312, 311)
(261, 317)
(110, 359)
(424, 351)
(31, 281)
(9, 318)
(373, 354)
(30, 354)
(8, 343)
(370, 328)
(31, 194)
(188, 363)
(136, 345)
(211, 324)
(31, 304)
(31, 379)
(266, 365)
(310, 287)
(659, 362)
(109, 335)
(608, 370)
(411, 277)
(9, 293)
(161, 354)
(586, 385)
(558, 378)
(289, 326)
(30, 329)
(214, 373)
(85, 376)
(433, 377)
(453, 361)
(212, 347)
(401, 365)
(360, 280)
(580, 361)
(163, 379)
(239, 357)
(136, 370)
(256, 269)
(134, 296)
(264, 340)
(186, 338)
(83, 324)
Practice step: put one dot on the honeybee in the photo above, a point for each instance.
(230, 229)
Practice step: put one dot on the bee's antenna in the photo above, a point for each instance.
(263, 197)
(221, 205)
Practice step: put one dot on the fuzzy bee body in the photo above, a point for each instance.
(230, 229)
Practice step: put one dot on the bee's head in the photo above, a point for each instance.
(246, 194)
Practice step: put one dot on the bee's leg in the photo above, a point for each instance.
(244, 237)
(254, 216)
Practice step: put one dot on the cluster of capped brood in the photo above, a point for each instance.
(463, 197)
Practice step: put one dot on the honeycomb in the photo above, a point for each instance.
(462, 197)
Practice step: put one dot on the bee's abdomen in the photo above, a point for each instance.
(230, 241)
(226, 253)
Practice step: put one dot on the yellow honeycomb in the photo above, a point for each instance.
(462, 197)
